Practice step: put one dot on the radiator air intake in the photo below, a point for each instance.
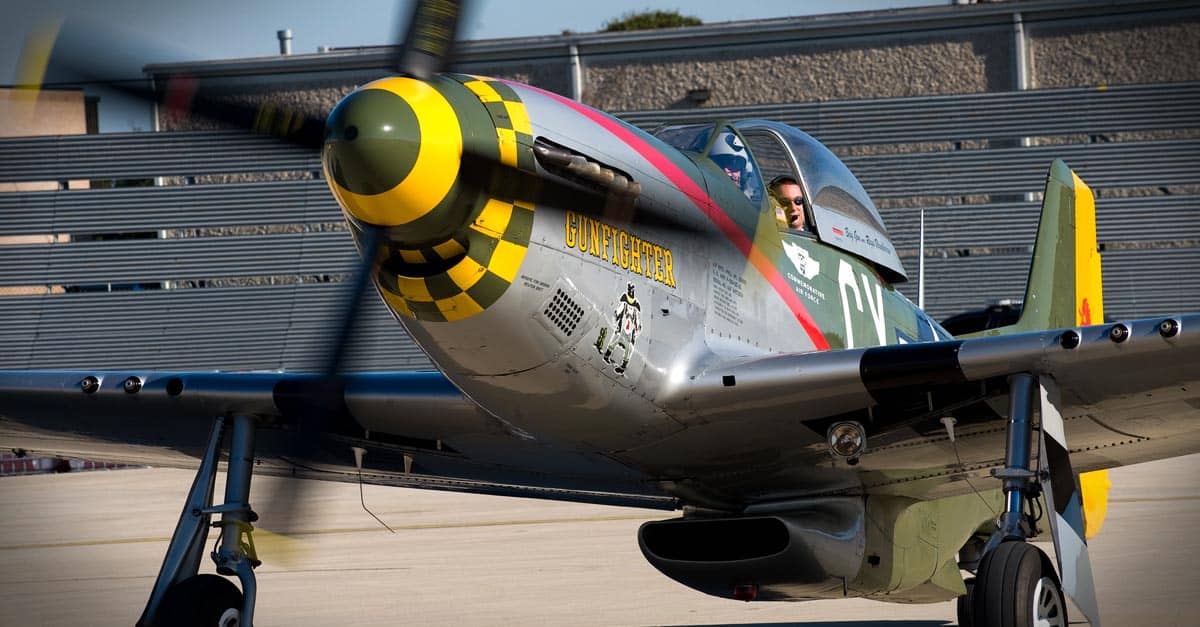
(803, 553)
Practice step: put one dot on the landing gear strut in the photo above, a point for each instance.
(180, 595)
(1020, 483)
(1015, 584)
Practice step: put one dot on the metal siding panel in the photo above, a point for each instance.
(201, 328)
(157, 260)
(1137, 282)
(994, 116)
(146, 155)
(1013, 225)
(205, 328)
(169, 207)
(1023, 170)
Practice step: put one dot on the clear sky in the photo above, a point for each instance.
(153, 31)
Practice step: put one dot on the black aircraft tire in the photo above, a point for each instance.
(202, 601)
(963, 606)
(1015, 586)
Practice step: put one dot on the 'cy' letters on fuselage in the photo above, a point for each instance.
(874, 301)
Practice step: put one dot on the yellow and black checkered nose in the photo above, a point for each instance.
(392, 157)
(438, 164)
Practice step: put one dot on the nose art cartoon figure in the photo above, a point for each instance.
(627, 326)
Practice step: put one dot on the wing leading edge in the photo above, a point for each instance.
(1130, 393)
(419, 430)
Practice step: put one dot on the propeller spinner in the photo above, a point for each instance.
(392, 157)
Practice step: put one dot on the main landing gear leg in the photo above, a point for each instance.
(180, 595)
(1015, 585)
(1020, 483)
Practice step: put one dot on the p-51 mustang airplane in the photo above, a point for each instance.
(618, 317)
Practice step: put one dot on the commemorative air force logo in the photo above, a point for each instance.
(805, 264)
(626, 327)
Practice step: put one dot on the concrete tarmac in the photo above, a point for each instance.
(83, 549)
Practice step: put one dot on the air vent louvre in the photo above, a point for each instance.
(563, 312)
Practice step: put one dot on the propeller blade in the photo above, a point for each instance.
(429, 40)
(182, 99)
(370, 241)
(426, 49)
(64, 55)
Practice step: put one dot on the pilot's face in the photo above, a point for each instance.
(792, 198)
(736, 175)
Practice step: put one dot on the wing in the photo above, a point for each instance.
(419, 430)
(1125, 401)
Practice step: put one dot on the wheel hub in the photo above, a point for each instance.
(230, 618)
(1048, 610)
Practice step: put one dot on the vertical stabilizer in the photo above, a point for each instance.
(1065, 290)
(1064, 287)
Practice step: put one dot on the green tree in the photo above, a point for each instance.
(649, 20)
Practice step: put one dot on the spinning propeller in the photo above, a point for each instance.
(359, 144)
(314, 404)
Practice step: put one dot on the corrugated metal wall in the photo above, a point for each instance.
(266, 300)
(977, 165)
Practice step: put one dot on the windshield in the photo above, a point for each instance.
(690, 138)
(725, 148)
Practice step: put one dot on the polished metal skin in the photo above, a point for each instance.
(617, 317)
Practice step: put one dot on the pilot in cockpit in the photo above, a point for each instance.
(731, 156)
(789, 197)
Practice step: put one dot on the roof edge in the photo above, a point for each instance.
(863, 23)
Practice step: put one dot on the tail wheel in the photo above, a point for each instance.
(1017, 587)
(202, 601)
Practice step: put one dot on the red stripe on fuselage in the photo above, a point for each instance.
(705, 203)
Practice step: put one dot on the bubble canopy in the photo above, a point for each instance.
(843, 213)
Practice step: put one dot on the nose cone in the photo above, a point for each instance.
(373, 141)
(392, 156)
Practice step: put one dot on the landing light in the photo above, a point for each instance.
(847, 440)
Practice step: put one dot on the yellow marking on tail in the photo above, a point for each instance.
(1089, 288)
(1089, 309)
(1094, 486)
